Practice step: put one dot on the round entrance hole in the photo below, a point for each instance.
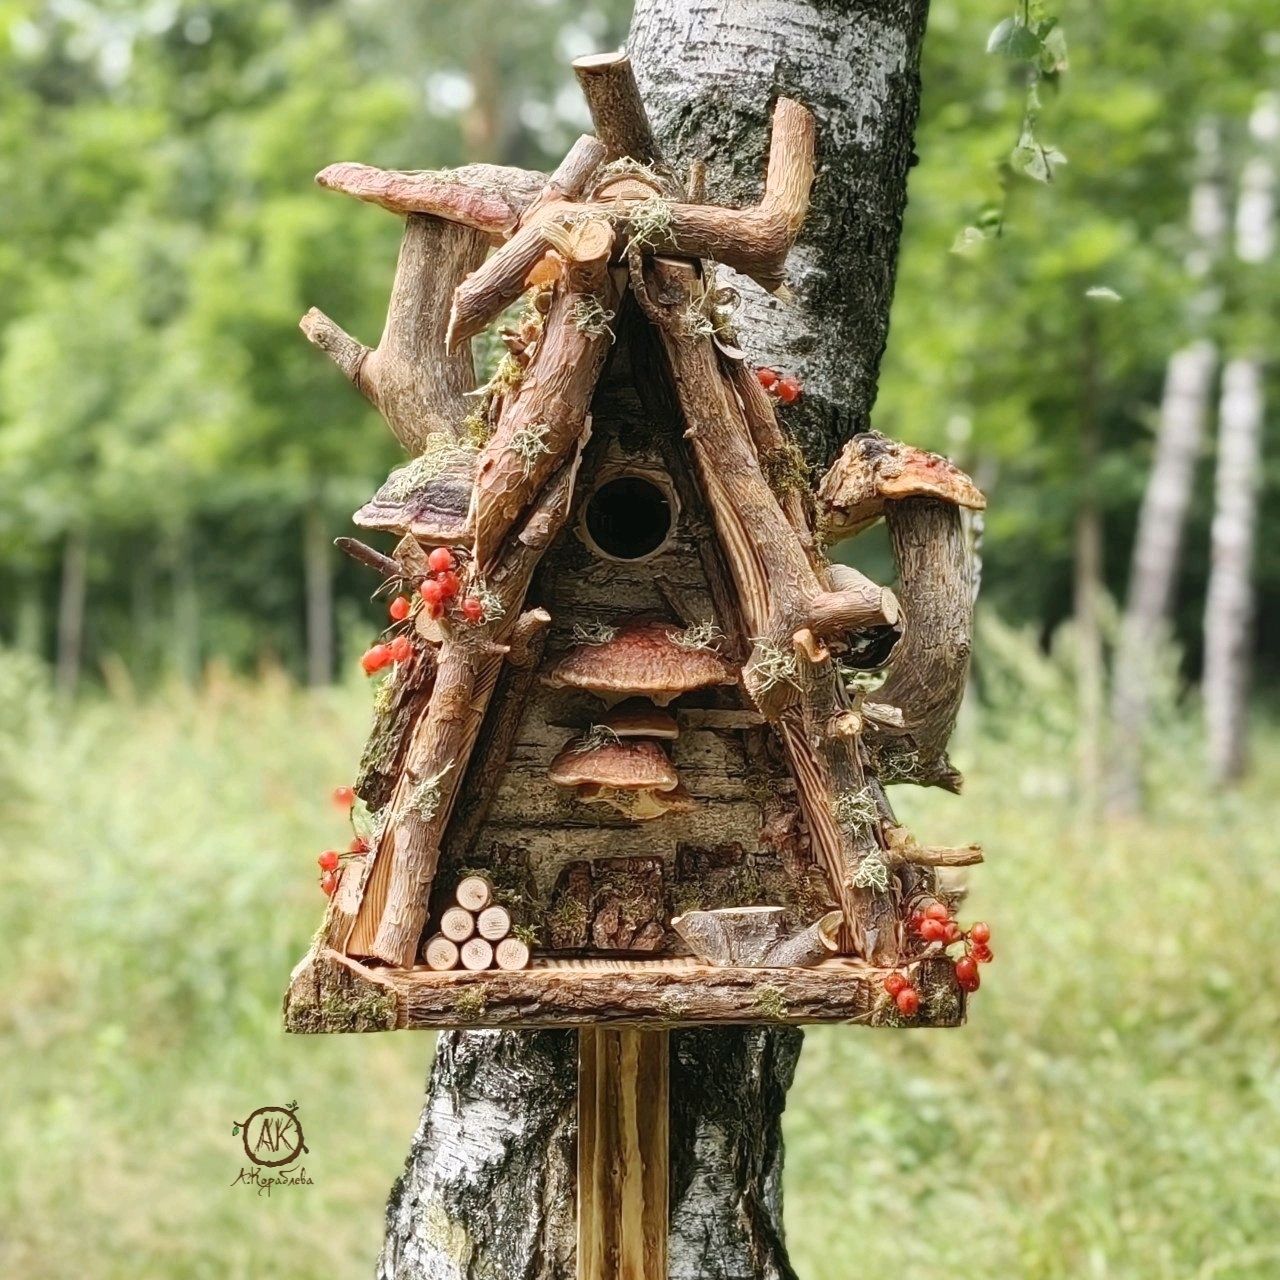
(629, 518)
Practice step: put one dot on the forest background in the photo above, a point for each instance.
(1084, 319)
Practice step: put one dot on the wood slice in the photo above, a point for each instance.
(457, 924)
(474, 892)
(440, 953)
(476, 954)
(494, 923)
(511, 953)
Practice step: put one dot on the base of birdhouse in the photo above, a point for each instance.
(330, 992)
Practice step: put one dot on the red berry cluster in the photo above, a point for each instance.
(935, 924)
(782, 385)
(330, 861)
(400, 649)
(443, 586)
(905, 996)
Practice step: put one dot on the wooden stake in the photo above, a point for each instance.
(623, 1122)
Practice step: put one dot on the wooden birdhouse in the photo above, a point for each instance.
(632, 728)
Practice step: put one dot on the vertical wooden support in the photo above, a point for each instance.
(623, 1127)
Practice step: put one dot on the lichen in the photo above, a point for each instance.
(700, 635)
(490, 601)
(589, 317)
(872, 872)
(770, 1002)
(772, 665)
(440, 450)
(595, 632)
(425, 799)
(476, 428)
(855, 808)
(649, 221)
(471, 1002)
(596, 736)
(528, 444)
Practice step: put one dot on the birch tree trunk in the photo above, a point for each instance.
(1228, 616)
(490, 1181)
(1157, 548)
(1228, 619)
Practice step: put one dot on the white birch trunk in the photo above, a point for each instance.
(1228, 618)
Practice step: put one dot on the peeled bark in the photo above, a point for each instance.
(495, 1150)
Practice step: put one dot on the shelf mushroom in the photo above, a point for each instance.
(642, 659)
(634, 775)
(637, 718)
(429, 498)
(873, 471)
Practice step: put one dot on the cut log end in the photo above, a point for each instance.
(476, 954)
(440, 954)
(494, 923)
(511, 954)
(474, 893)
(457, 924)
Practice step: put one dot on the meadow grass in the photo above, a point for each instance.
(1111, 1110)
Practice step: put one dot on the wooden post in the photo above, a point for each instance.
(623, 1123)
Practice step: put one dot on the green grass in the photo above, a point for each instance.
(1111, 1110)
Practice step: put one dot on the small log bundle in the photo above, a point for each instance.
(475, 933)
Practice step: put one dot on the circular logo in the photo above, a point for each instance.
(272, 1136)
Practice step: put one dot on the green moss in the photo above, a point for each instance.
(770, 1002)
(785, 469)
(471, 1002)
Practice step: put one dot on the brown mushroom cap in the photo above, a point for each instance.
(639, 718)
(641, 658)
(630, 764)
(872, 470)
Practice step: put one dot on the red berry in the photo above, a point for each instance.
(917, 918)
(399, 609)
(358, 845)
(431, 591)
(401, 649)
(344, 797)
(982, 953)
(980, 933)
(449, 584)
(473, 609)
(932, 930)
(329, 882)
(328, 861)
(936, 911)
(440, 560)
(375, 659)
(952, 933)
(788, 390)
(895, 982)
(768, 378)
(907, 1000)
(967, 974)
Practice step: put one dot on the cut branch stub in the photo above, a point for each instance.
(486, 197)
(608, 83)
(417, 386)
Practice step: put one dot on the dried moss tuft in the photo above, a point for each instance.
(770, 1002)
(649, 222)
(439, 452)
(471, 1002)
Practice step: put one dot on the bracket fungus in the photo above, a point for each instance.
(634, 775)
(641, 659)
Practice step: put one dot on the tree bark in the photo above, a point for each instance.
(709, 73)
(1228, 615)
(489, 1185)
(318, 576)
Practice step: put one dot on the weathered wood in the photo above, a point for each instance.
(623, 1118)
(634, 993)
(368, 557)
(757, 937)
(608, 84)
(417, 385)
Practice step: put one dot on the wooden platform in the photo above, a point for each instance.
(331, 993)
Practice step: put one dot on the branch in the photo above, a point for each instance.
(368, 557)
(608, 83)
(486, 197)
(418, 386)
(903, 847)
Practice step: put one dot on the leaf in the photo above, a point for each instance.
(968, 240)
(1011, 39)
(1053, 45)
(235, 1129)
(1033, 159)
(1103, 293)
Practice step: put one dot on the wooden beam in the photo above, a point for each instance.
(658, 993)
(623, 1153)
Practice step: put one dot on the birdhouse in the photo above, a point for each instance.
(632, 727)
